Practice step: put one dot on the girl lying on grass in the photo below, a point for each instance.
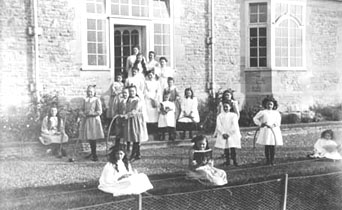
(118, 176)
(201, 164)
(326, 147)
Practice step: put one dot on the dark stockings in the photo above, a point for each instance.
(136, 151)
(233, 156)
(93, 150)
(269, 154)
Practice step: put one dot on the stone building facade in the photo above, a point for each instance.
(290, 48)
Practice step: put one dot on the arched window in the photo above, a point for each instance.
(288, 43)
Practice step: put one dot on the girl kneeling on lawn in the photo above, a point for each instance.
(119, 178)
(201, 164)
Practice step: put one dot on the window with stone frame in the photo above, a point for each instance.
(96, 38)
(258, 34)
(162, 46)
(289, 35)
(135, 8)
(275, 32)
(154, 15)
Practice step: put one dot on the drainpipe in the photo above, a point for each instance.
(36, 32)
(212, 15)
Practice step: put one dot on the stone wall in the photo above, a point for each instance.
(324, 51)
(16, 51)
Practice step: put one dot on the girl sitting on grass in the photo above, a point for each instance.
(326, 147)
(53, 133)
(201, 164)
(119, 178)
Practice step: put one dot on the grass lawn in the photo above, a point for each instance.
(48, 183)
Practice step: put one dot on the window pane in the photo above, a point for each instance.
(253, 62)
(157, 28)
(90, 8)
(254, 18)
(253, 32)
(124, 10)
(262, 8)
(99, 24)
(91, 48)
(262, 52)
(91, 24)
(101, 60)
(254, 52)
(262, 31)
(126, 51)
(91, 36)
(100, 37)
(253, 42)
(91, 59)
(253, 8)
(166, 39)
(115, 9)
(117, 51)
(262, 62)
(263, 18)
(118, 62)
(100, 49)
(135, 11)
(262, 42)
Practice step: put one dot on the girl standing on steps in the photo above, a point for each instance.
(135, 129)
(91, 127)
(269, 121)
(228, 133)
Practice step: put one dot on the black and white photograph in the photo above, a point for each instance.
(171, 104)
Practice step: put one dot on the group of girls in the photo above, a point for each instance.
(162, 105)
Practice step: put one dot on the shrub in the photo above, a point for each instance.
(291, 118)
(24, 123)
(329, 113)
(247, 114)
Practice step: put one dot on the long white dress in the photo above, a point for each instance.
(266, 136)
(227, 123)
(325, 148)
(110, 181)
(189, 105)
(152, 100)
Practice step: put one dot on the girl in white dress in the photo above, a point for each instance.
(201, 164)
(118, 177)
(167, 121)
(228, 133)
(152, 100)
(326, 147)
(164, 72)
(189, 115)
(53, 133)
(269, 121)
